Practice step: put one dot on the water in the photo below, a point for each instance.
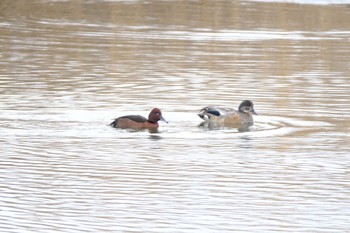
(69, 68)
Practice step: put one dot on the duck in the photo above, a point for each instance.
(228, 117)
(139, 122)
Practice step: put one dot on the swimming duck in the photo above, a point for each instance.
(139, 122)
(218, 116)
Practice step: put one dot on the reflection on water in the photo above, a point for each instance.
(69, 68)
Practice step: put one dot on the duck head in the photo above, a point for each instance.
(156, 115)
(247, 106)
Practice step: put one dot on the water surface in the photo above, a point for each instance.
(69, 68)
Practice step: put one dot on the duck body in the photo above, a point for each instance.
(218, 116)
(133, 122)
(139, 122)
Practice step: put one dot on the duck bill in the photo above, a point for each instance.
(253, 111)
(162, 119)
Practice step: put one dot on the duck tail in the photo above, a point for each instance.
(203, 114)
(114, 123)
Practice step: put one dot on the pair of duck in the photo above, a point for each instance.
(212, 115)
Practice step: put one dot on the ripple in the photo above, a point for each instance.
(264, 126)
(313, 2)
